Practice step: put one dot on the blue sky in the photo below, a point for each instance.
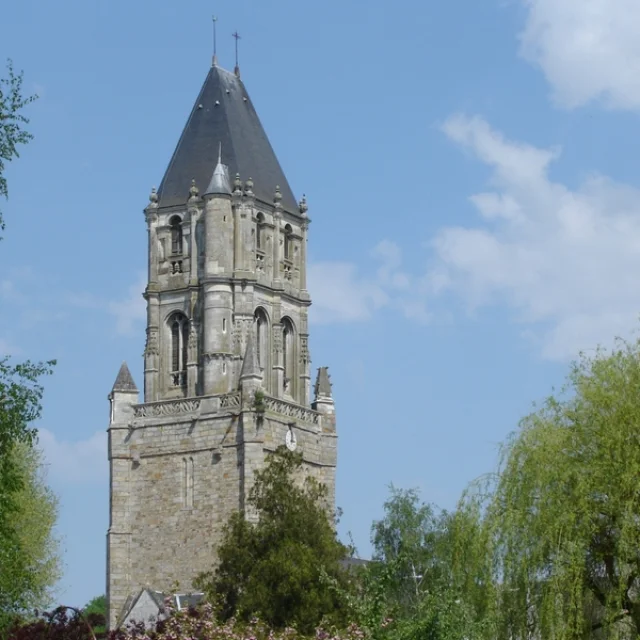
(471, 171)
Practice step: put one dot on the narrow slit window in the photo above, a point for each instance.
(287, 242)
(176, 235)
(260, 232)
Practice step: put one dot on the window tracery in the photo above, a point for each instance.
(179, 325)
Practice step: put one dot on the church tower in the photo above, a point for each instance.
(226, 362)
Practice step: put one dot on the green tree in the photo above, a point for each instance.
(285, 567)
(95, 611)
(407, 548)
(410, 590)
(96, 605)
(27, 568)
(29, 556)
(562, 516)
(12, 121)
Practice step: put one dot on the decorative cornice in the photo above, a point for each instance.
(208, 357)
(166, 408)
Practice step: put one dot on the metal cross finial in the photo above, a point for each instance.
(215, 47)
(236, 35)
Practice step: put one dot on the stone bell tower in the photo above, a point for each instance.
(226, 362)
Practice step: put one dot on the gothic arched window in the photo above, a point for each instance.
(288, 355)
(179, 349)
(262, 337)
(260, 232)
(176, 235)
(288, 231)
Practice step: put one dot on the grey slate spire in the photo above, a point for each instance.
(124, 380)
(224, 114)
(322, 387)
(220, 183)
(250, 366)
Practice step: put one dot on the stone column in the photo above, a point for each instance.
(278, 365)
(236, 200)
(305, 375)
(192, 349)
(277, 217)
(151, 216)
(193, 249)
(151, 357)
(303, 256)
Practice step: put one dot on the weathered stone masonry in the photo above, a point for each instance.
(226, 316)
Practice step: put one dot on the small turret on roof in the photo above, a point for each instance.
(220, 183)
(124, 380)
(322, 387)
(250, 365)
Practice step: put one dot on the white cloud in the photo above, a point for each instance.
(565, 261)
(341, 294)
(82, 462)
(587, 49)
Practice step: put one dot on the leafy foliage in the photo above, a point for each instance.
(29, 557)
(28, 563)
(28, 553)
(96, 612)
(200, 623)
(284, 565)
(64, 623)
(12, 121)
(562, 516)
(409, 590)
(407, 543)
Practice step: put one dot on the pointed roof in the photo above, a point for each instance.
(323, 383)
(220, 183)
(124, 380)
(224, 114)
(250, 365)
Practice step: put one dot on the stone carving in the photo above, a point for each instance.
(193, 344)
(210, 357)
(236, 338)
(166, 408)
(151, 348)
(277, 338)
(241, 330)
(194, 302)
(304, 350)
(230, 400)
(291, 410)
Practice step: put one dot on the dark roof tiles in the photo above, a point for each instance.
(124, 381)
(223, 114)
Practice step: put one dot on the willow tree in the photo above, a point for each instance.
(563, 516)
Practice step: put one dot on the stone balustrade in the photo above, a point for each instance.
(291, 410)
(185, 406)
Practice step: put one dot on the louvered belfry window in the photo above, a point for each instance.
(179, 349)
